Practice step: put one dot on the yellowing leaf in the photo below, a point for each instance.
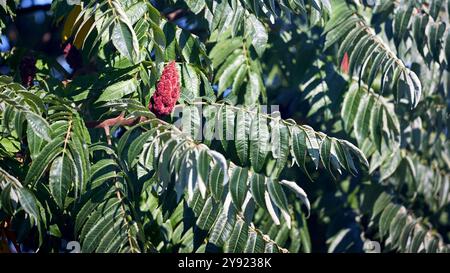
(70, 21)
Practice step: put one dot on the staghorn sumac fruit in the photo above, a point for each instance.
(167, 91)
(73, 56)
(27, 69)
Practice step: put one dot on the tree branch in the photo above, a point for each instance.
(108, 123)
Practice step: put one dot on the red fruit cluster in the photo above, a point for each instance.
(167, 91)
(73, 56)
(27, 69)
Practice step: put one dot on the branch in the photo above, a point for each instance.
(108, 123)
(174, 15)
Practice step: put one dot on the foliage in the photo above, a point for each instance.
(357, 150)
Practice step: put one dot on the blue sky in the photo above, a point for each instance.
(29, 3)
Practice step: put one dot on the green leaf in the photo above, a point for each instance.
(28, 202)
(357, 152)
(337, 33)
(38, 166)
(405, 234)
(343, 157)
(208, 215)
(228, 76)
(164, 173)
(216, 179)
(313, 144)
(279, 198)
(300, 149)
(6, 200)
(35, 143)
(376, 125)
(259, 142)
(435, 8)
(376, 66)
(417, 239)
(60, 178)
(363, 118)
(386, 218)
(397, 225)
(238, 238)
(191, 122)
(254, 88)
(255, 243)
(416, 86)
(382, 201)
(299, 192)
(239, 79)
(435, 37)
(118, 90)
(196, 6)
(347, 43)
(227, 122)
(125, 40)
(191, 81)
(39, 125)
(280, 146)
(401, 22)
(258, 34)
(203, 166)
(238, 186)
(419, 27)
(243, 122)
(222, 50)
(447, 49)
(136, 12)
(271, 209)
(188, 175)
(222, 228)
(325, 153)
(409, 84)
(258, 187)
(389, 166)
(433, 245)
(136, 147)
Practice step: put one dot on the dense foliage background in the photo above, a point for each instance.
(331, 117)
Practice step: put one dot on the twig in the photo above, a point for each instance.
(108, 123)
